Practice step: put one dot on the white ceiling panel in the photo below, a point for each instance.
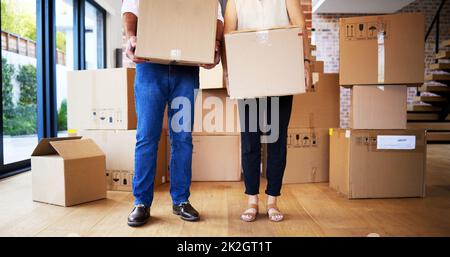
(359, 6)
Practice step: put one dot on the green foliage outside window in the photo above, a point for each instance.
(26, 78)
(62, 116)
(24, 23)
(19, 119)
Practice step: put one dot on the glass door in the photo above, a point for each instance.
(19, 83)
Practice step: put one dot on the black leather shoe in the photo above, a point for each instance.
(186, 212)
(138, 216)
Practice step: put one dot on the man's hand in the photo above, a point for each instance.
(308, 76)
(216, 57)
(130, 48)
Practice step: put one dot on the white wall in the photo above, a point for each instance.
(113, 28)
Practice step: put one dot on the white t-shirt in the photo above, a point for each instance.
(132, 6)
(261, 14)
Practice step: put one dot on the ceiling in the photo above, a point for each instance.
(359, 6)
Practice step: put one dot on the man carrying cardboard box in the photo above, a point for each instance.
(157, 85)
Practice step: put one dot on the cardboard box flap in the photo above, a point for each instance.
(76, 149)
(45, 148)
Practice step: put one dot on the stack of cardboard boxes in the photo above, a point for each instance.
(308, 143)
(101, 107)
(378, 157)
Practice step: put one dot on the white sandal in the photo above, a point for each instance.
(250, 213)
(276, 213)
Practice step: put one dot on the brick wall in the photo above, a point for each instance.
(326, 37)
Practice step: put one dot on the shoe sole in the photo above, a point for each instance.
(136, 224)
(184, 218)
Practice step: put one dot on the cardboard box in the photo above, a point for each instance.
(379, 107)
(378, 163)
(101, 99)
(319, 108)
(265, 63)
(307, 156)
(386, 49)
(216, 113)
(181, 32)
(119, 147)
(68, 171)
(214, 158)
(317, 66)
(212, 79)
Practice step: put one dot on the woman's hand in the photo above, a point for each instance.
(216, 57)
(130, 48)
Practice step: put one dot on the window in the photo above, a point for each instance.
(95, 36)
(41, 41)
(64, 58)
(19, 84)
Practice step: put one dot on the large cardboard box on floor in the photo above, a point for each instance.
(68, 171)
(101, 99)
(386, 49)
(379, 107)
(119, 146)
(216, 113)
(378, 163)
(177, 31)
(307, 156)
(214, 158)
(265, 63)
(319, 108)
(213, 78)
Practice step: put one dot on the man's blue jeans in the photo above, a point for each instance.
(156, 86)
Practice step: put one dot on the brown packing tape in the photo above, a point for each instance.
(381, 37)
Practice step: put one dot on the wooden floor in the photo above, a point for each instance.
(311, 210)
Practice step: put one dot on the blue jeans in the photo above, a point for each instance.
(156, 86)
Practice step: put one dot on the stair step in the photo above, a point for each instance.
(446, 43)
(434, 89)
(431, 99)
(424, 108)
(438, 136)
(443, 55)
(440, 66)
(429, 125)
(425, 117)
(438, 77)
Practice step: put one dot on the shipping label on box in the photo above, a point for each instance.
(396, 142)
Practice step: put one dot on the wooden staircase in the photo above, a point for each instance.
(432, 107)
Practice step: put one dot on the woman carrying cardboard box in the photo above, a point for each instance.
(257, 15)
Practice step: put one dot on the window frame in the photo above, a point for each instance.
(46, 71)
